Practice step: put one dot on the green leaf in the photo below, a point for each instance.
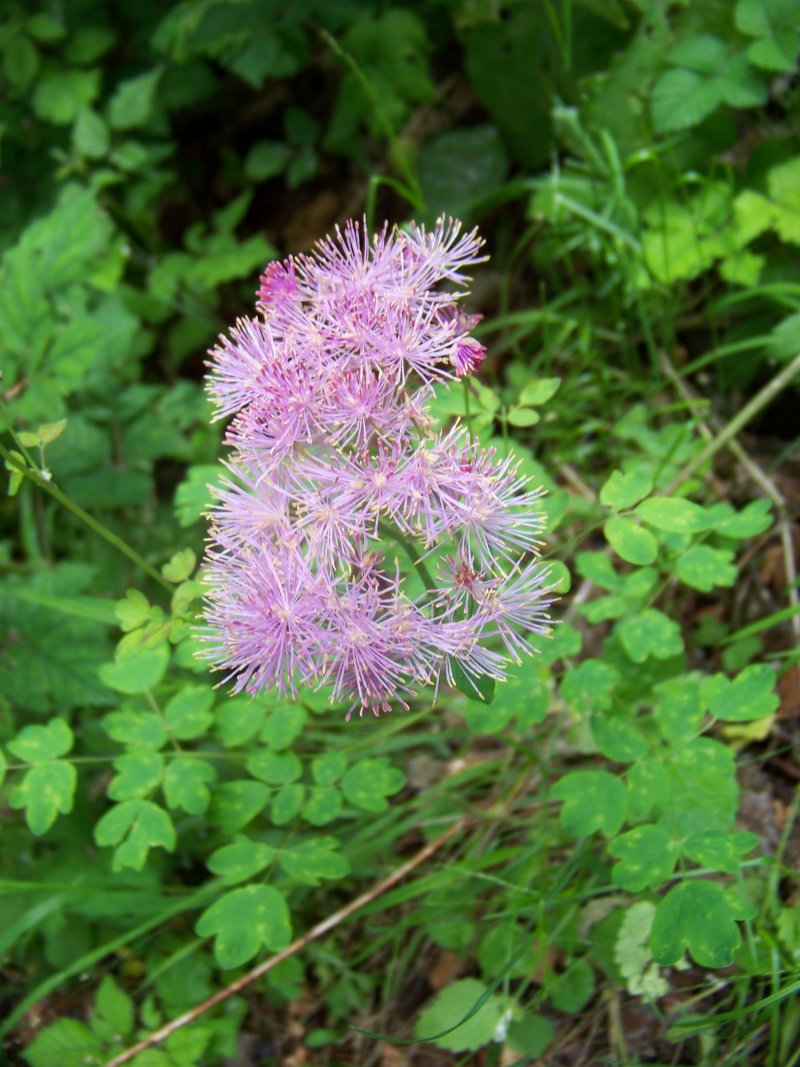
(464, 1014)
(632, 957)
(749, 522)
(593, 800)
(193, 496)
(238, 721)
(522, 416)
(241, 860)
(679, 709)
(46, 790)
(538, 392)
(20, 62)
(650, 634)
(60, 94)
(235, 804)
(674, 514)
(64, 1043)
(283, 725)
(45, 27)
(138, 729)
(90, 134)
(180, 567)
(617, 738)
(700, 917)
(133, 611)
(630, 541)
(783, 182)
(458, 167)
(720, 852)
(188, 714)
(647, 857)
(572, 990)
(139, 774)
(478, 687)
(369, 782)
(590, 684)
(144, 824)
(751, 695)
(133, 100)
(323, 805)
(681, 99)
(115, 1008)
(691, 789)
(186, 782)
(244, 921)
(286, 804)
(622, 491)
(266, 159)
(329, 768)
(776, 25)
(531, 1035)
(314, 859)
(597, 568)
(38, 744)
(275, 768)
(704, 568)
(137, 671)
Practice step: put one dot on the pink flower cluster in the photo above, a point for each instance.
(337, 470)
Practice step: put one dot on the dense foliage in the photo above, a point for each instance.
(616, 878)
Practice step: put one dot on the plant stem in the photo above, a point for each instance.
(748, 412)
(80, 513)
(410, 550)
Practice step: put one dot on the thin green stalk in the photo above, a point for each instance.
(84, 516)
(410, 549)
(749, 411)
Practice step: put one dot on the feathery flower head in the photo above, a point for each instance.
(336, 469)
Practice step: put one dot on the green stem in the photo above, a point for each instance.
(85, 517)
(749, 411)
(410, 549)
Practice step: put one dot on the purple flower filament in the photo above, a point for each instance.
(335, 459)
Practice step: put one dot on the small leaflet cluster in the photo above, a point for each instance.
(337, 468)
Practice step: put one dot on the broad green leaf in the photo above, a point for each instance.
(521, 417)
(43, 435)
(61, 93)
(683, 98)
(235, 804)
(571, 990)
(679, 709)
(193, 497)
(90, 134)
(114, 1009)
(133, 611)
(698, 917)
(751, 695)
(180, 567)
(188, 714)
(275, 768)
(45, 27)
(244, 921)
(241, 860)
(705, 568)
(632, 957)
(133, 100)
(266, 159)
(538, 392)
(88, 43)
(64, 1043)
(652, 633)
(622, 491)
(630, 541)
(564, 641)
(749, 522)
(783, 182)
(618, 738)
(720, 852)
(369, 782)
(136, 672)
(314, 859)
(478, 687)
(46, 790)
(464, 1014)
(674, 514)
(139, 729)
(508, 948)
(323, 805)
(590, 684)
(329, 768)
(776, 26)
(286, 803)
(531, 1035)
(238, 720)
(598, 569)
(38, 744)
(186, 784)
(457, 167)
(144, 824)
(21, 62)
(593, 800)
(283, 725)
(140, 772)
(647, 857)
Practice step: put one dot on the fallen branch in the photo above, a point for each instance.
(313, 934)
